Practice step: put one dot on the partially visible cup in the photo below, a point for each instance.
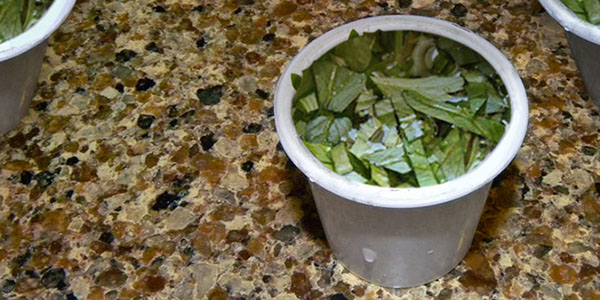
(584, 41)
(20, 63)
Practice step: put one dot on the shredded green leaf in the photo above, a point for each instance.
(16, 16)
(400, 109)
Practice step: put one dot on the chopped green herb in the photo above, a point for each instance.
(400, 109)
(588, 10)
(16, 16)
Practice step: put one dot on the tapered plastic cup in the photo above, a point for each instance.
(20, 63)
(401, 237)
(584, 41)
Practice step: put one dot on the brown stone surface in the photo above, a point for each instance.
(147, 113)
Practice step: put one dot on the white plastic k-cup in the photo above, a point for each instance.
(20, 63)
(401, 237)
(584, 41)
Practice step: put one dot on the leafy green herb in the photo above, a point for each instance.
(588, 10)
(341, 161)
(400, 109)
(339, 130)
(356, 51)
(317, 129)
(16, 16)
(433, 87)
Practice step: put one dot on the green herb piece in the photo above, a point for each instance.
(300, 127)
(304, 85)
(390, 137)
(356, 51)
(317, 130)
(461, 54)
(369, 128)
(321, 152)
(296, 83)
(433, 87)
(453, 164)
(476, 153)
(454, 115)
(10, 19)
(356, 177)
(324, 72)
(587, 10)
(359, 166)
(365, 100)
(360, 147)
(391, 158)
(341, 161)
(380, 176)
(592, 8)
(410, 125)
(339, 130)
(419, 56)
(346, 90)
(385, 112)
(418, 161)
(308, 104)
(576, 6)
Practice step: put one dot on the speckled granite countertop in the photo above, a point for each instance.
(148, 166)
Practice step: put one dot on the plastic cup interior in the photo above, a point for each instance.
(571, 22)
(40, 31)
(489, 168)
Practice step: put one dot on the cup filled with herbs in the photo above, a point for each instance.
(581, 21)
(25, 26)
(400, 123)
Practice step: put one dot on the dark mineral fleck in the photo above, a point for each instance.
(459, 10)
(188, 114)
(159, 9)
(201, 42)
(145, 121)
(44, 178)
(40, 106)
(172, 111)
(207, 141)
(262, 94)
(247, 166)
(152, 47)
(404, 3)
(54, 278)
(73, 160)
(199, 8)
(587, 150)
(270, 112)
(120, 88)
(252, 128)
(268, 37)
(125, 55)
(338, 296)
(211, 95)
(26, 177)
(267, 278)
(143, 84)
(287, 233)
(107, 237)
(165, 200)
(8, 286)
(71, 296)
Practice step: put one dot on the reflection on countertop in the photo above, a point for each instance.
(148, 166)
